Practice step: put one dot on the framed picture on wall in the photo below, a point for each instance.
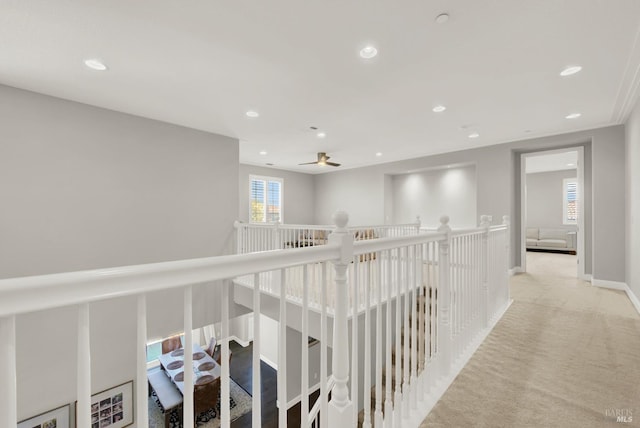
(56, 418)
(111, 408)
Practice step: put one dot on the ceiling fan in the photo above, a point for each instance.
(323, 160)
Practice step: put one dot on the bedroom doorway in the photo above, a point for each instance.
(552, 209)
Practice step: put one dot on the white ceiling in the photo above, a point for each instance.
(551, 162)
(495, 65)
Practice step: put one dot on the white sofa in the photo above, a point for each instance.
(540, 238)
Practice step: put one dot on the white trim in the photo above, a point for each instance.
(629, 85)
(586, 277)
(634, 299)
(240, 342)
(297, 399)
(614, 285)
(269, 362)
(515, 270)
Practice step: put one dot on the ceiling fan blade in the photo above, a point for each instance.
(333, 164)
(309, 163)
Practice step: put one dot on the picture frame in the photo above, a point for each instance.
(56, 418)
(111, 408)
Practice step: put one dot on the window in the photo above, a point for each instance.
(265, 199)
(570, 201)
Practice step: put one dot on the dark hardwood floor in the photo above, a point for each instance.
(242, 374)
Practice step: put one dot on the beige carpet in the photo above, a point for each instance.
(566, 354)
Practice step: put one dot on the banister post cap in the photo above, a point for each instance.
(444, 219)
(341, 219)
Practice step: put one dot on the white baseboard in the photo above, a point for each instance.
(615, 285)
(269, 362)
(240, 342)
(297, 399)
(586, 277)
(634, 299)
(515, 270)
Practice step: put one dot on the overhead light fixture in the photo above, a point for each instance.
(263, 153)
(571, 164)
(573, 116)
(95, 64)
(570, 70)
(252, 113)
(368, 52)
(442, 18)
(474, 135)
(379, 154)
(439, 109)
(321, 135)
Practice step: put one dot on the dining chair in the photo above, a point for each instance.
(205, 397)
(171, 344)
(218, 355)
(212, 347)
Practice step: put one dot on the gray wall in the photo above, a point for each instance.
(299, 189)
(361, 191)
(632, 181)
(545, 198)
(85, 188)
(431, 193)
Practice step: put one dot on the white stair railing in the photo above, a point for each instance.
(423, 301)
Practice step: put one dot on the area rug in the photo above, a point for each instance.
(240, 404)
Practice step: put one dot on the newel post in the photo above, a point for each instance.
(484, 224)
(277, 245)
(418, 224)
(340, 406)
(444, 298)
(239, 237)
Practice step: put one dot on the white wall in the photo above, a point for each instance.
(432, 193)
(545, 198)
(632, 212)
(85, 188)
(299, 193)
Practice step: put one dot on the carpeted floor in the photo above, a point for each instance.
(566, 354)
(240, 404)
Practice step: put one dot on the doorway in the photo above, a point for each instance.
(552, 207)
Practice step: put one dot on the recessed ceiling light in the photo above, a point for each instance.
(442, 18)
(573, 115)
(263, 153)
(570, 70)
(95, 64)
(321, 134)
(439, 109)
(379, 154)
(571, 164)
(368, 52)
(252, 113)
(474, 135)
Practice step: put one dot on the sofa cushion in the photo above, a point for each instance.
(553, 234)
(555, 243)
(532, 233)
(532, 242)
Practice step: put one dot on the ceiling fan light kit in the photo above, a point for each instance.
(323, 160)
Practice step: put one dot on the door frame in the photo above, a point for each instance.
(580, 233)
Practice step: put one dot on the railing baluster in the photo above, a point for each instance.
(142, 407)
(84, 368)
(304, 375)
(187, 410)
(256, 379)
(354, 336)
(399, 339)
(368, 282)
(406, 387)
(324, 396)
(378, 411)
(444, 301)
(8, 391)
(225, 404)
(282, 352)
(415, 288)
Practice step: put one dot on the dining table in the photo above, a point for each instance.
(205, 369)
